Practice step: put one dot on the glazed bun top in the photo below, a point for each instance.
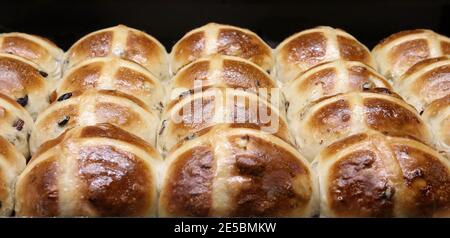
(425, 82)
(329, 79)
(332, 118)
(398, 52)
(98, 170)
(437, 115)
(123, 42)
(192, 115)
(237, 172)
(111, 73)
(36, 49)
(372, 175)
(221, 72)
(311, 47)
(22, 80)
(92, 107)
(221, 39)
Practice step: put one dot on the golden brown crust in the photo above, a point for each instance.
(425, 82)
(250, 47)
(221, 39)
(382, 176)
(122, 42)
(97, 45)
(400, 51)
(352, 50)
(186, 118)
(39, 50)
(359, 186)
(107, 131)
(11, 165)
(437, 115)
(92, 107)
(329, 119)
(391, 118)
(328, 79)
(96, 170)
(37, 193)
(222, 72)
(113, 182)
(397, 35)
(271, 178)
(237, 172)
(312, 47)
(188, 193)
(110, 73)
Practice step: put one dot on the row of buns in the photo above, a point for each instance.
(336, 139)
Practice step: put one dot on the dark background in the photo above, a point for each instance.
(168, 20)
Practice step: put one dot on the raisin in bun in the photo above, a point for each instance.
(221, 39)
(373, 175)
(329, 119)
(92, 107)
(15, 124)
(398, 52)
(425, 82)
(329, 79)
(12, 162)
(437, 116)
(184, 118)
(98, 170)
(22, 80)
(222, 72)
(37, 49)
(311, 47)
(237, 172)
(112, 73)
(123, 42)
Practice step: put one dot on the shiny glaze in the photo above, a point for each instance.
(221, 39)
(222, 72)
(20, 78)
(400, 51)
(122, 42)
(328, 79)
(329, 119)
(11, 113)
(98, 170)
(425, 82)
(237, 172)
(110, 73)
(311, 47)
(239, 114)
(372, 175)
(92, 107)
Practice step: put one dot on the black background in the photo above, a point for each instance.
(168, 20)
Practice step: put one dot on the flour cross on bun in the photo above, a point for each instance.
(36, 49)
(220, 39)
(237, 172)
(400, 51)
(311, 47)
(21, 80)
(91, 107)
(373, 175)
(123, 42)
(98, 170)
